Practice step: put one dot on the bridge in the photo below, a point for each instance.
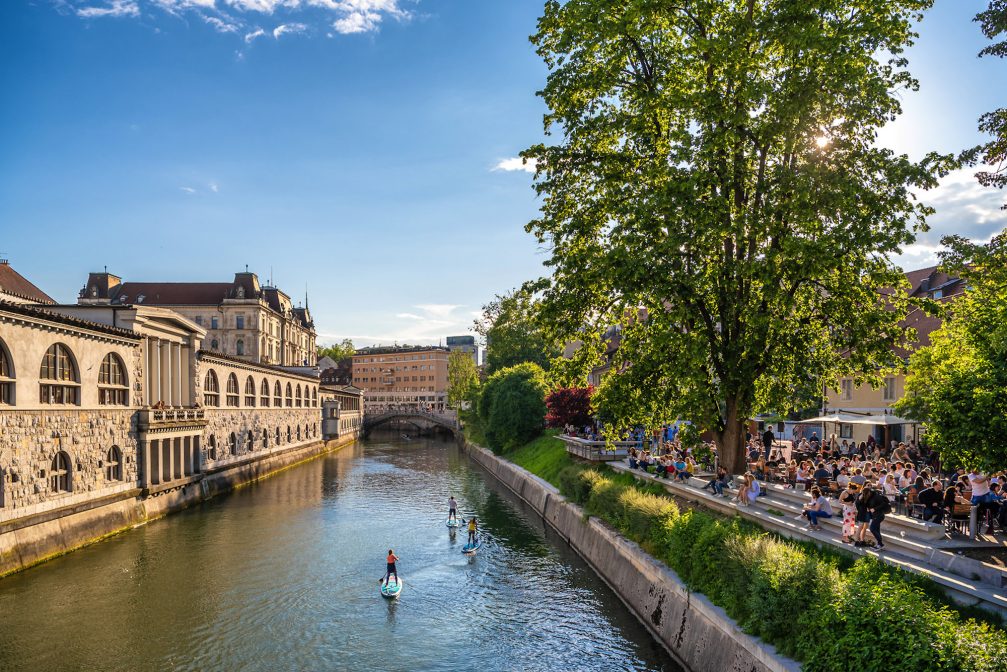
(419, 419)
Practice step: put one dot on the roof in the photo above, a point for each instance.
(395, 350)
(15, 284)
(171, 293)
(255, 365)
(39, 313)
(923, 283)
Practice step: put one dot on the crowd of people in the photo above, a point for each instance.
(861, 482)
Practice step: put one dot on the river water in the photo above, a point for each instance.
(283, 575)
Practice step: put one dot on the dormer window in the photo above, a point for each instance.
(240, 293)
(938, 293)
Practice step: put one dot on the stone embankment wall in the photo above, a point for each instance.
(695, 631)
(33, 539)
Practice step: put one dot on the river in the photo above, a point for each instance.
(283, 575)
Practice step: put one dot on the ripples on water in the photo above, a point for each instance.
(282, 575)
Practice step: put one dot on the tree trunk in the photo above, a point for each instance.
(731, 441)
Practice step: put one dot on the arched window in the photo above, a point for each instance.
(240, 345)
(215, 345)
(58, 381)
(232, 390)
(211, 389)
(113, 464)
(212, 447)
(6, 377)
(234, 444)
(60, 476)
(250, 442)
(290, 436)
(290, 396)
(314, 397)
(298, 432)
(113, 390)
(279, 438)
(264, 394)
(265, 438)
(297, 396)
(277, 395)
(249, 392)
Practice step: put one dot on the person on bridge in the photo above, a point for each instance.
(390, 569)
(452, 508)
(473, 526)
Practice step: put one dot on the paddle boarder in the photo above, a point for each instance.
(452, 509)
(390, 570)
(472, 531)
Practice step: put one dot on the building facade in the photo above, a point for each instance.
(866, 400)
(412, 377)
(241, 318)
(465, 344)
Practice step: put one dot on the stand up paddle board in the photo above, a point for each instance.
(454, 523)
(470, 549)
(391, 589)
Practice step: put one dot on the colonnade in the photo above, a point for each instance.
(170, 459)
(169, 364)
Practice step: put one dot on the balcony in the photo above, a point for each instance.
(170, 418)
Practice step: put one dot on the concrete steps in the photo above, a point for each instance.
(966, 581)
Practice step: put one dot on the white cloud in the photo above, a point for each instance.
(214, 187)
(250, 37)
(289, 29)
(112, 9)
(439, 310)
(188, 190)
(220, 25)
(234, 16)
(516, 164)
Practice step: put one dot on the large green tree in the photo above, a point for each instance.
(512, 334)
(957, 386)
(717, 183)
(993, 153)
(463, 378)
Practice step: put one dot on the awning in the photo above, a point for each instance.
(854, 419)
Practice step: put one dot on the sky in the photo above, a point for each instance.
(359, 152)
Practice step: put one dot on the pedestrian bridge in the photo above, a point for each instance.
(419, 419)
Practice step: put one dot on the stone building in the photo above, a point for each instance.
(242, 318)
(411, 376)
(113, 412)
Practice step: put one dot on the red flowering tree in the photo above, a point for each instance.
(569, 406)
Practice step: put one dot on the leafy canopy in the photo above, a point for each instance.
(512, 406)
(511, 333)
(338, 351)
(957, 385)
(463, 378)
(717, 191)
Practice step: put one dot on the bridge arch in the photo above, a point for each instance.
(417, 418)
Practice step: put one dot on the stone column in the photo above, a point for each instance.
(165, 353)
(176, 390)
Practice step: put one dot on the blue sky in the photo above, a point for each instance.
(354, 147)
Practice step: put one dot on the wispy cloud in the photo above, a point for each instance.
(250, 37)
(214, 187)
(112, 8)
(239, 16)
(288, 29)
(188, 190)
(516, 164)
(421, 324)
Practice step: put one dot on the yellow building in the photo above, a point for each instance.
(853, 399)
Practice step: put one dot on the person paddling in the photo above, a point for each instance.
(452, 509)
(473, 526)
(390, 570)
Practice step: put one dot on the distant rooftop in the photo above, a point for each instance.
(398, 349)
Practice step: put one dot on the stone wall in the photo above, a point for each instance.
(296, 426)
(697, 633)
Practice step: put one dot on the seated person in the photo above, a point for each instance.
(681, 470)
(932, 500)
(753, 491)
(821, 473)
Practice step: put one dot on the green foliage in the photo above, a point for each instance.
(717, 168)
(338, 351)
(545, 456)
(512, 406)
(512, 334)
(463, 378)
(958, 384)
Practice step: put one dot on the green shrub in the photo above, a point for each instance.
(643, 511)
(512, 406)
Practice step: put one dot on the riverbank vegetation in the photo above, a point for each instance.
(829, 611)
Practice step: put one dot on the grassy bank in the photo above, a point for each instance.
(826, 609)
